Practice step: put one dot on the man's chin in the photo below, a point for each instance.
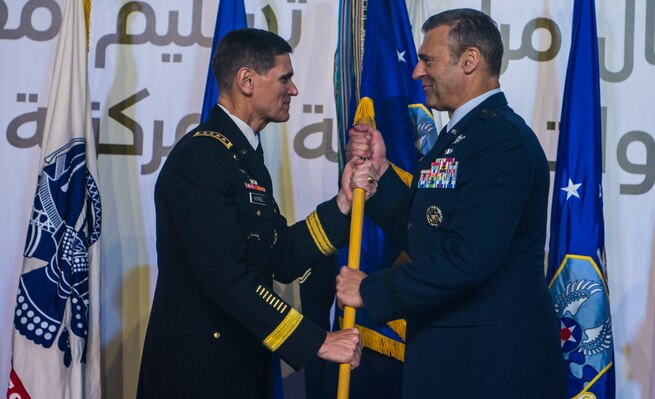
(282, 117)
(434, 105)
(428, 100)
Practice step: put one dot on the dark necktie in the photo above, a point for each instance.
(259, 150)
(442, 133)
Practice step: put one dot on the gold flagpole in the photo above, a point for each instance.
(364, 116)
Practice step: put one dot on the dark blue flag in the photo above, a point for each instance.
(576, 263)
(388, 57)
(231, 15)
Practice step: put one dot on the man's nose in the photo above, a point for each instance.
(419, 72)
(293, 90)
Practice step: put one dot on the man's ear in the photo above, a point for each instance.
(470, 60)
(244, 80)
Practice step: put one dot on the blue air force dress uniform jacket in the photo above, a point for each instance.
(480, 321)
(220, 242)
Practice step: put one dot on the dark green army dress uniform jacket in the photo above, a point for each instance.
(221, 240)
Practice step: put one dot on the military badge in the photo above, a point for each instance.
(434, 216)
(442, 174)
(459, 138)
(448, 151)
(253, 236)
(253, 185)
(275, 238)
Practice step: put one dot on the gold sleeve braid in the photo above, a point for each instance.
(286, 327)
(318, 234)
(271, 299)
(283, 330)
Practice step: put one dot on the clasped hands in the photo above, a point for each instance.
(365, 163)
(345, 346)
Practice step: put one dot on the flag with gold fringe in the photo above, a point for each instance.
(374, 63)
(56, 336)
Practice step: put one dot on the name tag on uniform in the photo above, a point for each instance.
(442, 174)
(257, 199)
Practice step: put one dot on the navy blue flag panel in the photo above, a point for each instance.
(231, 15)
(577, 271)
(387, 63)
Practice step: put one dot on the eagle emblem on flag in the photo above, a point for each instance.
(65, 222)
(581, 303)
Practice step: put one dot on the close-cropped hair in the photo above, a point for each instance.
(470, 28)
(250, 48)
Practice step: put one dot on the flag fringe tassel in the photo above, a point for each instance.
(375, 341)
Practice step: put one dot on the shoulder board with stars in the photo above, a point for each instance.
(208, 133)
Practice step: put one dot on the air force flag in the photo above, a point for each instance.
(379, 34)
(577, 272)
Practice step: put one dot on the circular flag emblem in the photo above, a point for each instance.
(570, 334)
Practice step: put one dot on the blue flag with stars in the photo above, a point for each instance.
(231, 15)
(387, 56)
(577, 271)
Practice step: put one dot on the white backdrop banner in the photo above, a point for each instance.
(147, 64)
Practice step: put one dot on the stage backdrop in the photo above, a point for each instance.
(148, 61)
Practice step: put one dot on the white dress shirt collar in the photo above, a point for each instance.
(468, 107)
(247, 131)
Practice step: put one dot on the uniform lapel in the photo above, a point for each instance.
(248, 158)
(460, 129)
(443, 140)
(485, 108)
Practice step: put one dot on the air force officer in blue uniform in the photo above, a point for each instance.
(480, 321)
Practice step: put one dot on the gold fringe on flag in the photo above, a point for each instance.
(405, 176)
(375, 341)
(87, 18)
(365, 113)
(399, 327)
